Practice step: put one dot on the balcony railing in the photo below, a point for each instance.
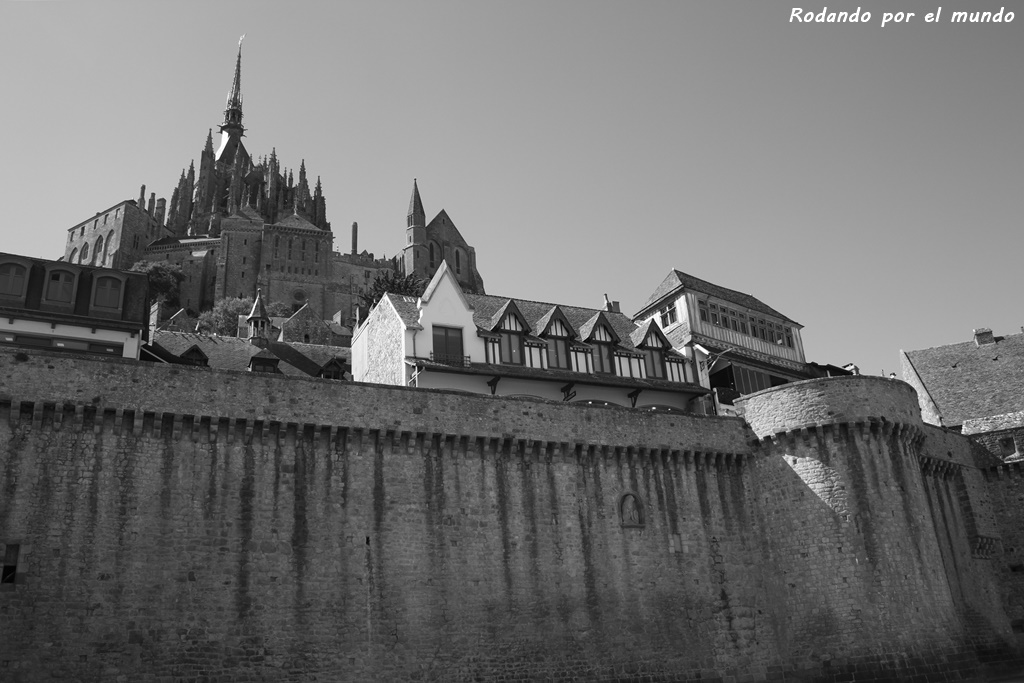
(453, 360)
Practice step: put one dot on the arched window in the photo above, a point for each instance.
(289, 248)
(106, 248)
(74, 255)
(98, 251)
(303, 256)
(458, 262)
(432, 261)
(277, 244)
(85, 253)
(60, 286)
(108, 293)
(12, 279)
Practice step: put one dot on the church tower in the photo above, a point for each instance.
(415, 232)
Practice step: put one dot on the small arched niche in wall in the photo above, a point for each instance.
(631, 511)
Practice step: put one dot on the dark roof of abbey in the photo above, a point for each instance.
(678, 280)
(970, 380)
(234, 353)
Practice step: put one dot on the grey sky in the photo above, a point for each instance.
(866, 181)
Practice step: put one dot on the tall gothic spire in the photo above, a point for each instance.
(417, 216)
(233, 110)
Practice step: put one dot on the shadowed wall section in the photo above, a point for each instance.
(180, 522)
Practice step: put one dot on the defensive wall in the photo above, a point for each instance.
(178, 523)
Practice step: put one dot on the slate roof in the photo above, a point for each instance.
(967, 381)
(485, 306)
(406, 307)
(677, 280)
(233, 353)
(296, 221)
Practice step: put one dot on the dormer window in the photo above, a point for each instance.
(60, 286)
(654, 362)
(653, 349)
(558, 345)
(194, 356)
(511, 333)
(333, 369)
(12, 279)
(604, 348)
(107, 292)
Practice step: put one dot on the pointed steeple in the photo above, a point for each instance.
(259, 321)
(208, 149)
(417, 217)
(233, 110)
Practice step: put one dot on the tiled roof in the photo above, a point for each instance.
(296, 221)
(406, 307)
(640, 333)
(967, 381)
(678, 279)
(587, 328)
(485, 306)
(233, 353)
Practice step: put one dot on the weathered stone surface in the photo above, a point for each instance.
(182, 524)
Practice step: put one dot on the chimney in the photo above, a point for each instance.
(983, 335)
(355, 237)
(151, 205)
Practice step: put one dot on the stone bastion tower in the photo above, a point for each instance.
(867, 521)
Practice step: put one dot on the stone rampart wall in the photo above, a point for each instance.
(175, 523)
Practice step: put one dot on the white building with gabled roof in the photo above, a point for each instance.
(484, 344)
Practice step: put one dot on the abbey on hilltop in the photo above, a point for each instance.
(242, 223)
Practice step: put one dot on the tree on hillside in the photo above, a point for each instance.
(222, 319)
(389, 281)
(164, 281)
(276, 309)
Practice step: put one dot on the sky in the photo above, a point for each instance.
(866, 181)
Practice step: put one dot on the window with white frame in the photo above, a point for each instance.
(511, 343)
(558, 345)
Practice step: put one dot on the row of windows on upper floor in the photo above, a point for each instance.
(723, 316)
(95, 224)
(302, 249)
(558, 349)
(61, 286)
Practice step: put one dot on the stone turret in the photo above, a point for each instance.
(847, 452)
